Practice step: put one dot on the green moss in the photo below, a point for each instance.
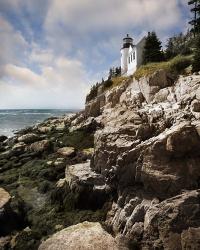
(176, 66)
(79, 140)
(27, 240)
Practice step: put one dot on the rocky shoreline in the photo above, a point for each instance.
(123, 173)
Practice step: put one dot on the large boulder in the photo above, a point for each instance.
(82, 174)
(66, 151)
(40, 146)
(150, 85)
(174, 223)
(163, 170)
(83, 236)
(88, 185)
(29, 138)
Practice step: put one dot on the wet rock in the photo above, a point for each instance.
(44, 129)
(66, 151)
(18, 149)
(3, 138)
(85, 236)
(29, 138)
(40, 147)
(4, 199)
(59, 163)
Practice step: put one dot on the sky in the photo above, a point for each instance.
(52, 51)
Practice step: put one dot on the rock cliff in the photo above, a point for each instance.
(130, 160)
(147, 149)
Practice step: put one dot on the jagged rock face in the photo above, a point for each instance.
(85, 236)
(171, 162)
(169, 224)
(144, 169)
(148, 151)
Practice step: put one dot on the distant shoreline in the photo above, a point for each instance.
(13, 120)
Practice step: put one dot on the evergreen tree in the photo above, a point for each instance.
(195, 22)
(118, 71)
(196, 59)
(170, 50)
(152, 49)
(179, 45)
(110, 74)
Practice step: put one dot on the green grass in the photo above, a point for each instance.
(176, 66)
(116, 81)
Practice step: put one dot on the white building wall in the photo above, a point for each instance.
(132, 61)
(140, 49)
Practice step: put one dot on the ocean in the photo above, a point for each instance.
(16, 119)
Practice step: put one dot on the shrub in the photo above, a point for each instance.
(93, 92)
(179, 64)
(176, 66)
(108, 83)
(44, 186)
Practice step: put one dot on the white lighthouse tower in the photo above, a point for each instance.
(127, 43)
(131, 55)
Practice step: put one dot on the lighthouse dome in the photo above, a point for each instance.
(127, 41)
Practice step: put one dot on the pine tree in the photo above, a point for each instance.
(195, 22)
(179, 45)
(152, 49)
(170, 52)
(196, 59)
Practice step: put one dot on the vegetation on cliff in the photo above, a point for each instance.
(174, 66)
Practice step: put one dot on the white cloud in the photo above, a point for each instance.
(62, 84)
(90, 15)
(13, 45)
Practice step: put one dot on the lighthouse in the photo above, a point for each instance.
(127, 43)
(131, 55)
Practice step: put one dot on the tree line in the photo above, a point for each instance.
(181, 44)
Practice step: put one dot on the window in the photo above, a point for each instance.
(133, 55)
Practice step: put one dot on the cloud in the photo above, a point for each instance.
(62, 84)
(13, 45)
(90, 15)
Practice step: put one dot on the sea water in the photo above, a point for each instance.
(12, 120)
